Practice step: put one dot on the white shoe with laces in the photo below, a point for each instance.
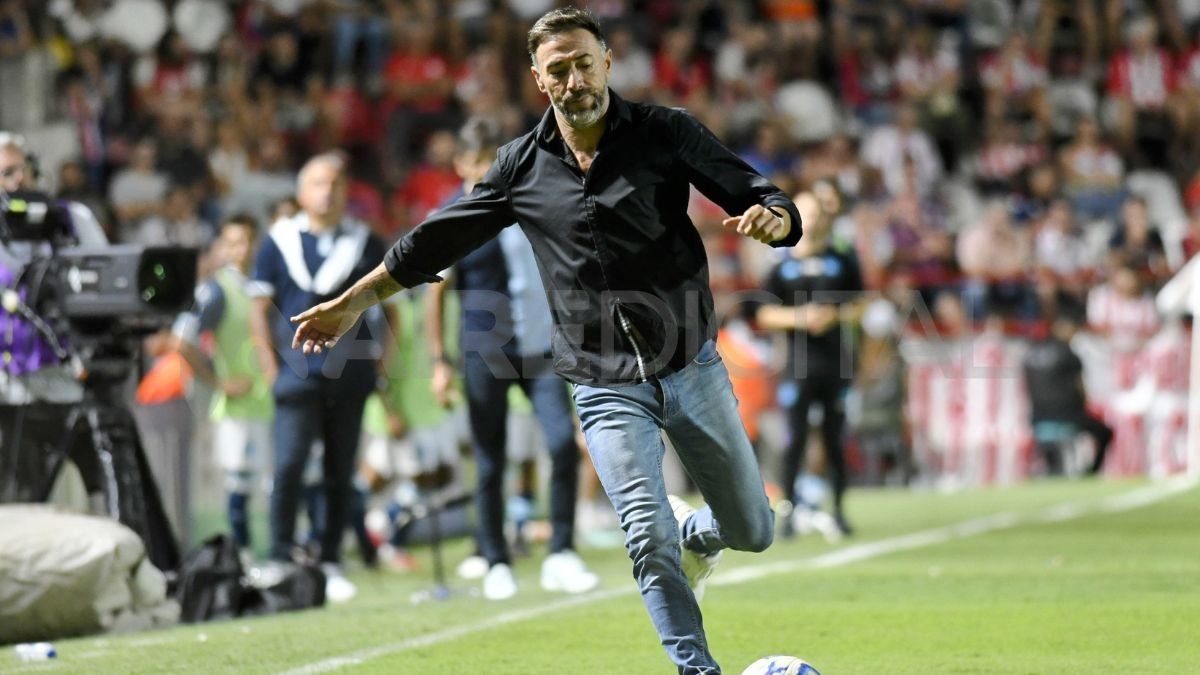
(498, 583)
(337, 587)
(565, 571)
(696, 566)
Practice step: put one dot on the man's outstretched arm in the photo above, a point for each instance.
(444, 238)
(319, 327)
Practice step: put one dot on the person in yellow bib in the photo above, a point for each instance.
(411, 444)
(242, 407)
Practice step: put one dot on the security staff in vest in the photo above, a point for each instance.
(309, 258)
(242, 408)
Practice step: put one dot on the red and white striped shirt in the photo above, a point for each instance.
(1147, 80)
(1128, 322)
(1016, 76)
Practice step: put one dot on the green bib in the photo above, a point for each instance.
(410, 375)
(235, 355)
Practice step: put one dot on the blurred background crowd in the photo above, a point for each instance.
(992, 164)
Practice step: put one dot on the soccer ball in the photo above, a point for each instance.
(780, 665)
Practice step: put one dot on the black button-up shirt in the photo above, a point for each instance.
(624, 267)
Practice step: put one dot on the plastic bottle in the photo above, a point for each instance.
(36, 651)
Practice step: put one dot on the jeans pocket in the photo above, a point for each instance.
(708, 354)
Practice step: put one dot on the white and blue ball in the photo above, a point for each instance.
(780, 665)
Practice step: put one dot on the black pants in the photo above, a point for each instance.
(1102, 436)
(487, 380)
(828, 391)
(300, 419)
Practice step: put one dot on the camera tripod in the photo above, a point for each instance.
(98, 435)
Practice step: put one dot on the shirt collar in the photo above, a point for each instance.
(617, 115)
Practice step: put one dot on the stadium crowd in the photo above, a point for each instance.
(991, 166)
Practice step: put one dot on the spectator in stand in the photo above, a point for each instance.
(993, 256)
(921, 247)
(171, 80)
(85, 106)
(632, 65)
(428, 185)
(1094, 173)
(1054, 382)
(1014, 81)
(1138, 243)
(184, 157)
(1061, 255)
(419, 86)
(360, 22)
(268, 181)
(138, 190)
(891, 148)
(73, 186)
(769, 155)
(178, 223)
(1005, 157)
(836, 161)
(680, 74)
(928, 75)
(1141, 88)
(747, 44)
(866, 77)
(1122, 310)
(228, 162)
(481, 85)
(282, 63)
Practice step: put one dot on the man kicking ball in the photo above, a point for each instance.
(600, 188)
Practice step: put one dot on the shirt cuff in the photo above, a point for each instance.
(405, 275)
(784, 204)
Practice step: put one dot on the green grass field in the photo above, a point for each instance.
(1086, 577)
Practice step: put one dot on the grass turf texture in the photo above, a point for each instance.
(1103, 592)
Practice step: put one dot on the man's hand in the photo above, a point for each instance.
(396, 425)
(320, 327)
(237, 386)
(819, 318)
(443, 383)
(760, 223)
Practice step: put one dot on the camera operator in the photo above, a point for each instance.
(29, 368)
(36, 387)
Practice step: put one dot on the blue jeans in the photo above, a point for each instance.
(487, 379)
(696, 408)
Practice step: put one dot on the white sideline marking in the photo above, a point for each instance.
(1126, 501)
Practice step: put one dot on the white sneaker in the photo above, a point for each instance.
(337, 587)
(696, 566)
(565, 571)
(825, 524)
(804, 519)
(498, 583)
(473, 568)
